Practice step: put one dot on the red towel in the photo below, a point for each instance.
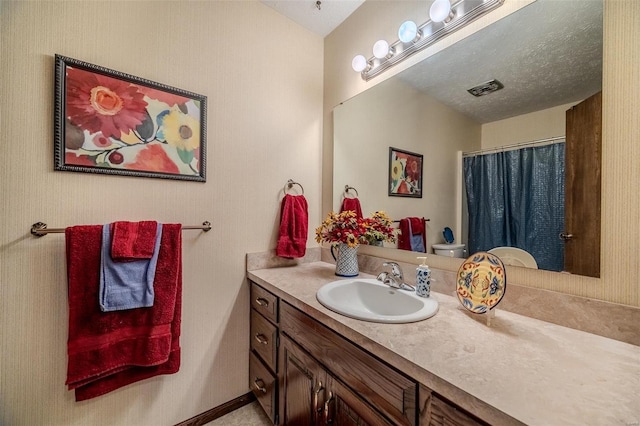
(294, 225)
(108, 350)
(352, 204)
(417, 228)
(133, 240)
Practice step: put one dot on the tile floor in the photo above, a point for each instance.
(249, 415)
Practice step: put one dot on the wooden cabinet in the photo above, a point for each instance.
(304, 373)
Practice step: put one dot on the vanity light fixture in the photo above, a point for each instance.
(446, 17)
(381, 50)
(440, 11)
(408, 32)
(359, 63)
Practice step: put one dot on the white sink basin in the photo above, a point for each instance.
(371, 300)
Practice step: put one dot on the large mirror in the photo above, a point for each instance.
(548, 57)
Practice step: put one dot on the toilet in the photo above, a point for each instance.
(450, 250)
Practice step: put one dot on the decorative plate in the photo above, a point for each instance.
(513, 256)
(481, 282)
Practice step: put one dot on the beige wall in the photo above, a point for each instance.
(547, 123)
(621, 131)
(264, 126)
(395, 114)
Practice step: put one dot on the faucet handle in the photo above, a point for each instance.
(382, 276)
(395, 269)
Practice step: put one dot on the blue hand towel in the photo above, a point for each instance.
(126, 285)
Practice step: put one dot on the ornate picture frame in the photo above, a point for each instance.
(405, 173)
(110, 122)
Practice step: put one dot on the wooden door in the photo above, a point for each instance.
(303, 387)
(344, 408)
(583, 159)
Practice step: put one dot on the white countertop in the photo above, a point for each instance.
(518, 369)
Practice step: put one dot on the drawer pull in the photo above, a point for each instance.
(261, 338)
(262, 301)
(259, 385)
(328, 419)
(319, 388)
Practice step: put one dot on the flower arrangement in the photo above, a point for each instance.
(347, 228)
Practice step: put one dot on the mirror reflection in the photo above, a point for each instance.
(548, 58)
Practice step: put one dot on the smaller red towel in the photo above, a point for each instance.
(417, 228)
(294, 225)
(133, 240)
(352, 204)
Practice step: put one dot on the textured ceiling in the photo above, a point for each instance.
(320, 21)
(548, 53)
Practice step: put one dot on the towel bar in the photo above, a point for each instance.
(39, 229)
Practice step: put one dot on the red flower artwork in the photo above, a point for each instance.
(110, 122)
(99, 103)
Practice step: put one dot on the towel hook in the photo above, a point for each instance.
(347, 188)
(290, 184)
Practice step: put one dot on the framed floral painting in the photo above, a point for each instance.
(405, 173)
(110, 122)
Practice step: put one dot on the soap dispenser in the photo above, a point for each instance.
(423, 278)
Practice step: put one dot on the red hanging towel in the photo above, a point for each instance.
(294, 225)
(133, 240)
(352, 204)
(108, 350)
(411, 227)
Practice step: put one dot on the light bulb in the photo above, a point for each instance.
(440, 11)
(359, 63)
(381, 49)
(408, 32)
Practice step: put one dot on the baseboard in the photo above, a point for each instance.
(219, 411)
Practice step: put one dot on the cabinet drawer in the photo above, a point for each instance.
(264, 337)
(374, 381)
(443, 413)
(264, 302)
(263, 384)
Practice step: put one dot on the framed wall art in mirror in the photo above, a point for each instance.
(405, 173)
(110, 122)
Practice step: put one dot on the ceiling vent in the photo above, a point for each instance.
(486, 88)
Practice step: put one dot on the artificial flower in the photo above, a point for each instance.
(347, 228)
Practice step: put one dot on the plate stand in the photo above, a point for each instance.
(489, 316)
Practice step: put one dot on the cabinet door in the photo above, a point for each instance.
(303, 387)
(344, 408)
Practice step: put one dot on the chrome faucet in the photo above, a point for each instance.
(395, 278)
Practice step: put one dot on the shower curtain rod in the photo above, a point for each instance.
(547, 141)
(40, 229)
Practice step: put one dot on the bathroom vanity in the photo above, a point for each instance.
(309, 365)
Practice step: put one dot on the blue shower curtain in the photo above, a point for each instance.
(516, 199)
